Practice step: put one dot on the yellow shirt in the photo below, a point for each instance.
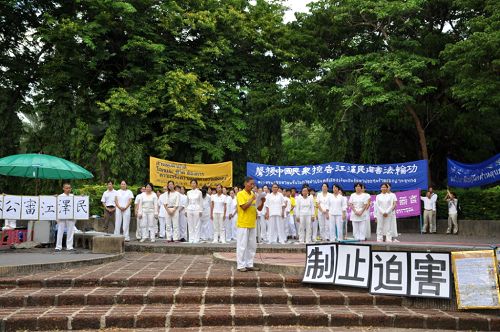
(246, 218)
(315, 208)
(292, 204)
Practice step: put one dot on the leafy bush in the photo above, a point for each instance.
(95, 193)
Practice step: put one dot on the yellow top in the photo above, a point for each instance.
(292, 204)
(246, 218)
(316, 208)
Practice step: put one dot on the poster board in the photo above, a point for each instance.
(476, 279)
(48, 208)
(30, 207)
(12, 207)
(81, 207)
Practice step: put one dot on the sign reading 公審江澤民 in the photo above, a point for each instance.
(44, 207)
(403, 176)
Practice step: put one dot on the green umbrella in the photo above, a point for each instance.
(42, 166)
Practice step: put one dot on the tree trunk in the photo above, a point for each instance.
(420, 131)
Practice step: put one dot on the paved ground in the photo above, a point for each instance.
(189, 291)
(44, 255)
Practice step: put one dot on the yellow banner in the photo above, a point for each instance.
(161, 171)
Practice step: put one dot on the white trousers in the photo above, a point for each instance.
(292, 230)
(148, 225)
(276, 229)
(263, 228)
(368, 228)
(171, 226)
(206, 227)
(193, 220)
(324, 227)
(394, 226)
(384, 227)
(182, 225)
(163, 224)
(246, 245)
(69, 225)
(359, 230)
(219, 228)
(314, 225)
(228, 227)
(305, 229)
(336, 228)
(122, 218)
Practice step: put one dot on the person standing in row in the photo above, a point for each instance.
(148, 212)
(262, 232)
(385, 205)
(293, 228)
(360, 204)
(182, 213)
(344, 217)
(368, 224)
(136, 211)
(206, 228)
(324, 200)
(394, 224)
(246, 241)
(452, 200)
(218, 212)
(337, 212)
(227, 223)
(434, 198)
(194, 210)
(233, 213)
(275, 213)
(304, 215)
(162, 201)
(428, 211)
(108, 202)
(65, 224)
(123, 201)
(171, 202)
(314, 222)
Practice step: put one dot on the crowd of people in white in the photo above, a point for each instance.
(210, 214)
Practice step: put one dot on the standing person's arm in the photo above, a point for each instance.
(103, 201)
(212, 210)
(225, 209)
(118, 205)
(283, 207)
(247, 204)
(312, 208)
(139, 208)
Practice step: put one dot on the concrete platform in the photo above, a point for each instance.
(14, 262)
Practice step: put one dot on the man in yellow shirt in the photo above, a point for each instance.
(246, 238)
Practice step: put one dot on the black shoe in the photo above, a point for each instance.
(242, 270)
(183, 240)
(253, 268)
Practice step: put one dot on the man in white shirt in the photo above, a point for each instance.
(65, 224)
(108, 202)
(429, 208)
(123, 200)
(434, 198)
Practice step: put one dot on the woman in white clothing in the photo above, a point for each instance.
(275, 212)
(182, 213)
(325, 226)
(360, 204)
(123, 200)
(218, 212)
(337, 210)
(147, 213)
(194, 210)
(394, 224)
(344, 217)
(170, 201)
(385, 206)
(368, 225)
(206, 227)
(304, 214)
(261, 221)
(233, 211)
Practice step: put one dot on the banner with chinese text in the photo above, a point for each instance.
(473, 175)
(404, 176)
(161, 171)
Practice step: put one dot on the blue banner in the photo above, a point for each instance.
(473, 175)
(405, 176)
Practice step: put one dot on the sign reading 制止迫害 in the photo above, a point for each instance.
(403, 176)
(161, 171)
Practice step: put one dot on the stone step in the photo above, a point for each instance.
(195, 315)
(32, 297)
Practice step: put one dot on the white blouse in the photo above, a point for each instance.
(304, 206)
(338, 204)
(275, 204)
(324, 201)
(219, 201)
(194, 200)
(384, 204)
(358, 202)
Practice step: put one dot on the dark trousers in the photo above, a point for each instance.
(109, 220)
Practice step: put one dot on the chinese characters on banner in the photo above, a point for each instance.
(383, 272)
(48, 207)
(403, 176)
(44, 207)
(408, 204)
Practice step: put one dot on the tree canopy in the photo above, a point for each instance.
(108, 83)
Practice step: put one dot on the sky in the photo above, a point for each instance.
(295, 6)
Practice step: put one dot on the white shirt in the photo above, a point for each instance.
(452, 206)
(384, 204)
(427, 203)
(169, 199)
(194, 200)
(338, 204)
(275, 203)
(137, 199)
(219, 201)
(324, 201)
(234, 207)
(288, 204)
(148, 203)
(183, 201)
(206, 205)
(108, 197)
(123, 196)
(358, 202)
(304, 206)
(434, 198)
